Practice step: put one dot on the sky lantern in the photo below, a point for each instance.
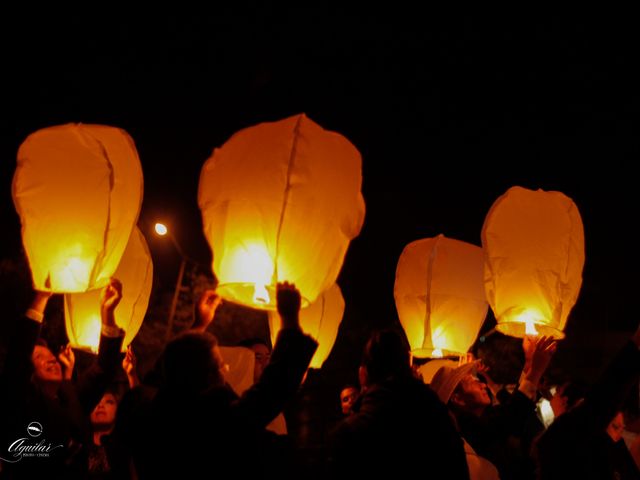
(78, 191)
(82, 310)
(280, 201)
(534, 254)
(239, 365)
(321, 320)
(440, 296)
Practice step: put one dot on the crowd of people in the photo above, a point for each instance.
(185, 420)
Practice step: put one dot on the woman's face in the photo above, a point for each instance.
(105, 412)
(616, 427)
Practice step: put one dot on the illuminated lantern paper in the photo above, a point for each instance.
(82, 310)
(78, 191)
(280, 201)
(429, 369)
(321, 320)
(534, 254)
(439, 295)
(241, 362)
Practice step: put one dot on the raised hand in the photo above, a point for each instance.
(109, 300)
(67, 359)
(538, 354)
(129, 364)
(288, 298)
(207, 306)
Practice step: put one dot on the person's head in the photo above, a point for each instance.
(385, 355)
(193, 362)
(103, 417)
(460, 389)
(566, 396)
(348, 397)
(616, 427)
(262, 354)
(46, 367)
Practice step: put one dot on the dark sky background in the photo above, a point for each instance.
(448, 112)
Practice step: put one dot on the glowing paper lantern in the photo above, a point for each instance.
(440, 295)
(82, 310)
(534, 254)
(321, 320)
(78, 190)
(280, 201)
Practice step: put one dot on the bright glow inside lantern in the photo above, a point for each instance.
(82, 310)
(439, 296)
(78, 191)
(321, 320)
(534, 254)
(280, 202)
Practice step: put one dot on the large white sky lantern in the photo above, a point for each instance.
(439, 295)
(280, 201)
(534, 254)
(82, 310)
(321, 320)
(78, 191)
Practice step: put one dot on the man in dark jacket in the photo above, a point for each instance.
(195, 423)
(44, 419)
(398, 424)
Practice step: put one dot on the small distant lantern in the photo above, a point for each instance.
(534, 254)
(439, 296)
(239, 363)
(321, 320)
(78, 191)
(280, 201)
(82, 310)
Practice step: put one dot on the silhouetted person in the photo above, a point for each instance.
(398, 424)
(195, 424)
(576, 445)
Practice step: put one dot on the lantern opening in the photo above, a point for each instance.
(253, 295)
(424, 353)
(530, 328)
(260, 294)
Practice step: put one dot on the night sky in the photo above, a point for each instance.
(448, 112)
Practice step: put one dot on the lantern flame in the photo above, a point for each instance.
(260, 294)
(72, 273)
(529, 319)
(437, 353)
(530, 328)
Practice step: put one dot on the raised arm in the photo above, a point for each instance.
(25, 333)
(94, 382)
(289, 361)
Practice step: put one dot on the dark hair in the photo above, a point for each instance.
(189, 364)
(250, 342)
(386, 355)
(41, 342)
